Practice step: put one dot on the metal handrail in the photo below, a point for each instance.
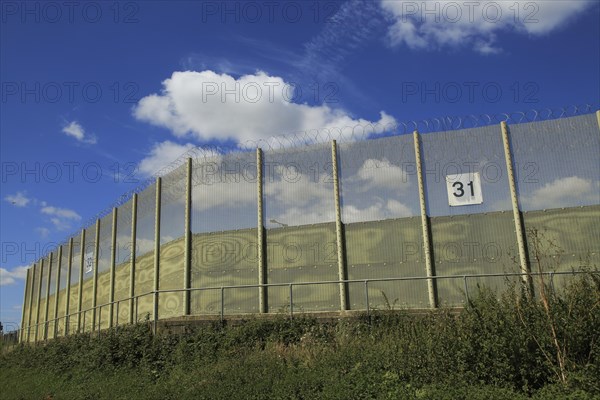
(291, 285)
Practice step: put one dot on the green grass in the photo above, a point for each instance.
(499, 347)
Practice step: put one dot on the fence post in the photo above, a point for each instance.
(515, 207)
(48, 279)
(260, 244)
(157, 250)
(37, 311)
(95, 274)
(339, 230)
(31, 297)
(23, 308)
(598, 118)
(68, 287)
(187, 262)
(427, 244)
(133, 254)
(80, 288)
(57, 290)
(113, 260)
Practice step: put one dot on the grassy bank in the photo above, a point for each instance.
(499, 347)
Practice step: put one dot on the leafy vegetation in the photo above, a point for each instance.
(501, 346)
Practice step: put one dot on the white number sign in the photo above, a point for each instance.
(89, 262)
(464, 189)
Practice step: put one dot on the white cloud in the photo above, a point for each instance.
(381, 174)
(44, 232)
(18, 200)
(446, 23)
(208, 106)
(61, 218)
(564, 192)
(74, 129)
(161, 155)
(379, 209)
(60, 212)
(10, 277)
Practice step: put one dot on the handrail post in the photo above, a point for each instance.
(222, 303)
(291, 300)
(368, 307)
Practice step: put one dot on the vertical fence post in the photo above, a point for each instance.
(95, 274)
(23, 308)
(427, 244)
(46, 305)
(598, 118)
(80, 288)
(68, 287)
(339, 230)
(39, 299)
(113, 260)
(515, 206)
(31, 297)
(260, 244)
(187, 261)
(157, 250)
(133, 254)
(57, 290)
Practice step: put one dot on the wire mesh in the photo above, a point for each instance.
(144, 260)
(224, 203)
(104, 260)
(88, 249)
(123, 262)
(172, 250)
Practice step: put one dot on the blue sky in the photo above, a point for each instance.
(97, 96)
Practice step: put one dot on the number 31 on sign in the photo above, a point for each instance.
(464, 189)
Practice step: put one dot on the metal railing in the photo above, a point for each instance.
(96, 327)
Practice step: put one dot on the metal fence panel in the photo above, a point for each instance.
(224, 259)
(380, 207)
(103, 284)
(144, 261)
(559, 190)
(172, 250)
(74, 292)
(224, 202)
(123, 263)
(52, 296)
(464, 237)
(301, 240)
(88, 279)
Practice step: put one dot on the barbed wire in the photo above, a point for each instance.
(304, 140)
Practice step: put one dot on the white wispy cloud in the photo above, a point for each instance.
(75, 130)
(563, 192)
(43, 232)
(61, 218)
(10, 277)
(432, 24)
(161, 155)
(208, 106)
(18, 200)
